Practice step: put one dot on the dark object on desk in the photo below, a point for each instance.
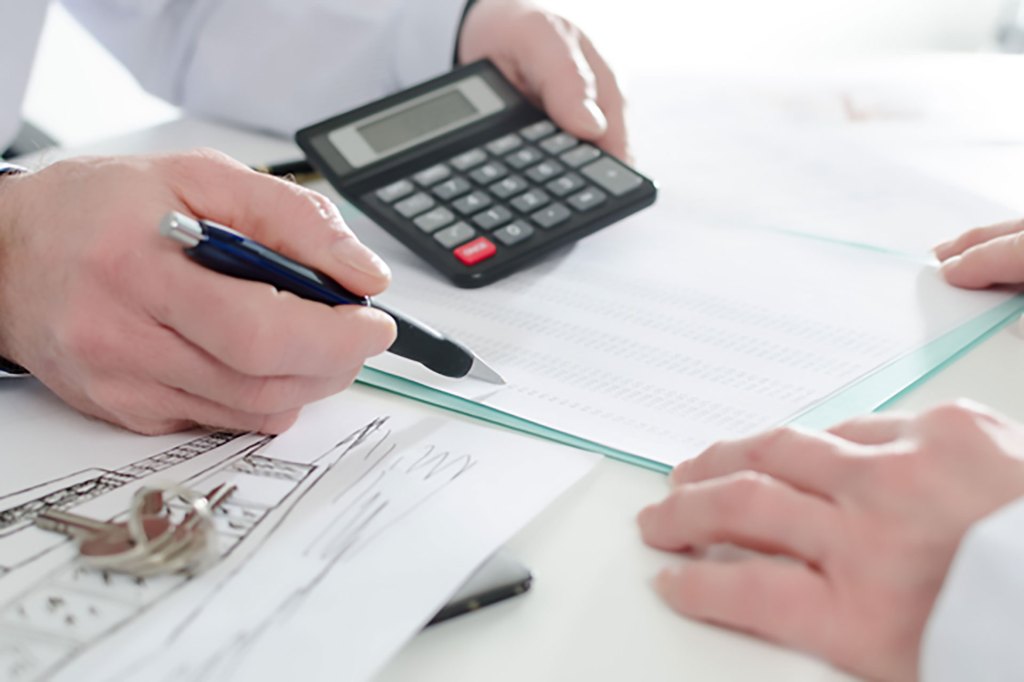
(231, 253)
(473, 178)
(500, 578)
(298, 170)
(29, 139)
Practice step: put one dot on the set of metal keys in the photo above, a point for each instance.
(148, 542)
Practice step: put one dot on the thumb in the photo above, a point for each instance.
(300, 223)
(565, 82)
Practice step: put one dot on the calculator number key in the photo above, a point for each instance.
(505, 144)
(434, 219)
(466, 160)
(538, 130)
(472, 202)
(530, 201)
(450, 189)
(587, 199)
(553, 215)
(556, 144)
(432, 175)
(492, 218)
(511, 185)
(565, 185)
(513, 233)
(395, 191)
(459, 233)
(580, 155)
(480, 249)
(489, 172)
(527, 156)
(414, 205)
(544, 171)
(612, 176)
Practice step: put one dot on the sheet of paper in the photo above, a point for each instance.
(344, 537)
(660, 335)
(729, 159)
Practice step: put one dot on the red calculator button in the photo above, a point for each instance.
(475, 251)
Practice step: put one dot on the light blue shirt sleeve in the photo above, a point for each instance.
(976, 629)
(275, 65)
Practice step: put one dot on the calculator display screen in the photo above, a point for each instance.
(410, 124)
(421, 119)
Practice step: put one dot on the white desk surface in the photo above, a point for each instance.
(592, 613)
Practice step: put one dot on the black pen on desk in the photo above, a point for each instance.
(228, 252)
(299, 169)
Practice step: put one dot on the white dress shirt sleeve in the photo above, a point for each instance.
(276, 65)
(976, 629)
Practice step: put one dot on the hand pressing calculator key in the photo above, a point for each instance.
(473, 178)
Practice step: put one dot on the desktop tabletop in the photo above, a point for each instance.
(592, 612)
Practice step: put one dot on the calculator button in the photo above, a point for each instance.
(530, 201)
(450, 189)
(513, 184)
(538, 130)
(432, 175)
(395, 191)
(492, 218)
(414, 205)
(434, 219)
(527, 156)
(466, 160)
(612, 176)
(513, 233)
(489, 172)
(503, 145)
(567, 184)
(544, 171)
(555, 214)
(471, 203)
(580, 155)
(479, 249)
(556, 144)
(456, 234)
(587, 199)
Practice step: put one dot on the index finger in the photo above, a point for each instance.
(811, 461)
(978, 235)
(998, 261)
(615, 140)
(284, 216)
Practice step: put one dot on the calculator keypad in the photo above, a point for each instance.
(499, 194)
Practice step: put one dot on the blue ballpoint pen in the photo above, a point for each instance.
(223, 250)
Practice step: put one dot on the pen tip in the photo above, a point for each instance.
(481, 370)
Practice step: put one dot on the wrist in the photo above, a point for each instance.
(8, 173)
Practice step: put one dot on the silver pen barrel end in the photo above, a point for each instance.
(181, 228)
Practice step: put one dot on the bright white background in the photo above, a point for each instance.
(78, 93)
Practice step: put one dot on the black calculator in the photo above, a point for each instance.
(471, 176)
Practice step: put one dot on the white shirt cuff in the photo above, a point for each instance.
(976, 627)
(425, 40)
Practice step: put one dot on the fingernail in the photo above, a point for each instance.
(598, 123)
(663, 581)
(351, 253)
(950, 264)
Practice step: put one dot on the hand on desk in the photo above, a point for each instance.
(985, 256)
(865, 517)
(123, 326)
(552, 61)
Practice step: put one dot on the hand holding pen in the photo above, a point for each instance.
(121, 325)
(231, 253)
